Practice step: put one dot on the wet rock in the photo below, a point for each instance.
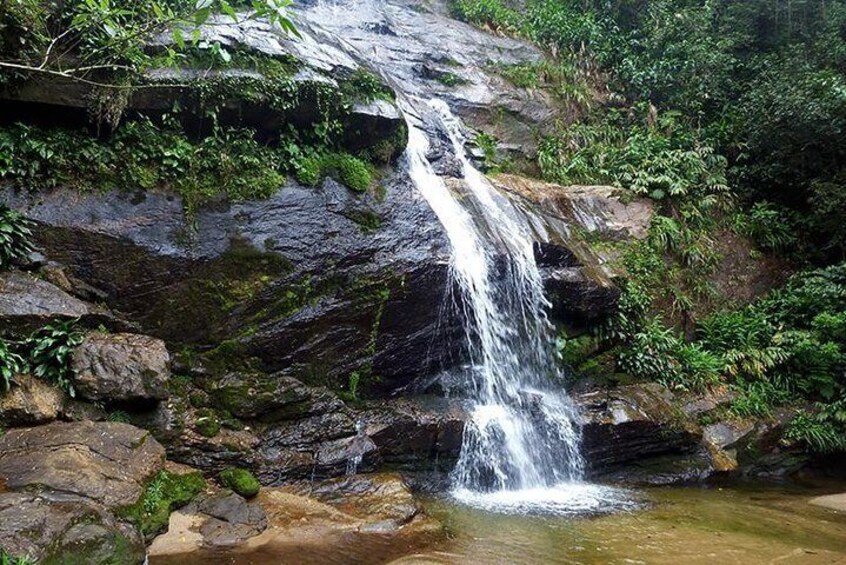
(379, 496)
(271, 397)
(633, 423)
(104, 462)
(121, 368)
(418, 434)
(437, 56)
(219, 520)
(30, 401)
(65, 529)
(28, 303)
(309, 285)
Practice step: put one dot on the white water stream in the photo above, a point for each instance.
(521, 446)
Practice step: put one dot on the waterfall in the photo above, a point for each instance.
(520, 450)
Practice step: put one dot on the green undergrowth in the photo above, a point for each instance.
(149, 156)
(165, 493)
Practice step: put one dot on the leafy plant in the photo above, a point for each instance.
(822, 430)
(15, 234)
(11, 364)
(164, 493)
(49, 353)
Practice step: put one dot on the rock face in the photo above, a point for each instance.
(58, 529)
(628, 430)
(118, 368)
(104, 462)
(27, 303)
(320, 298)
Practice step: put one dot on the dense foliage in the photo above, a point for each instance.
(104, 42)
(747, 94)
(730, 116)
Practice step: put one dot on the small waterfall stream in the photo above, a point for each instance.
(520, 449)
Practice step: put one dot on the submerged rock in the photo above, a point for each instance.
(117, 368)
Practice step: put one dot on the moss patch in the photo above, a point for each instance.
(241, 481)
(164, 494)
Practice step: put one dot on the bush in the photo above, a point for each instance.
(822, 430)
(241, 481)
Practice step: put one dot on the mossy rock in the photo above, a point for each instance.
(164, 494)
(241, 481)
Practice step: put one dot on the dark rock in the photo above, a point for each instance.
(28, 303)
(230, 519)
(30, 401)
(416, 434)
(294, 270)
(105, 462)
(65, 529)
(630, 424)
(121, 368)
(271, 397)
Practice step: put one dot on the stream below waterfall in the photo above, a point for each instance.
(731, 525)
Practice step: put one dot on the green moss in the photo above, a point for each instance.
(207, 423)
(364, 86)
(164, 494)
(308, 171)
(449, 79)
(241, 481)
(368, 221)
(353, 172)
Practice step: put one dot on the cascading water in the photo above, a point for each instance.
(520, 448)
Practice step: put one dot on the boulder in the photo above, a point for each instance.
(213, 521)
(30, 401)
(107, 463)
(121, 368)
(271, 397)
(65, 529)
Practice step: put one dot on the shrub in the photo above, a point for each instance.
(241, 481)
(15, 234)
(767, 225)
(822, 430)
